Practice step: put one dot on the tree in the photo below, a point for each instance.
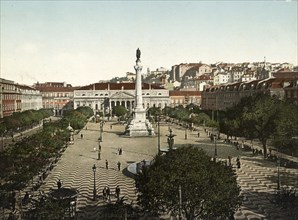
(154, 111)
(287, 129)
(254, 117)
(259, 118)
(209, 189)
(86, 111)
(119, 110)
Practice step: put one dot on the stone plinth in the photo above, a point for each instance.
(139, 128)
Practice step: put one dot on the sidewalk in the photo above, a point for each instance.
(256, 144)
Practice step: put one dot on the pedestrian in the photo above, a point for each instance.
(25, 199)
(198, 134)
(13, 201)
(119, 165)
(230, 161)
(81, 136)
(99, 147)
(59, 184)
(120, 151)
(111, 126)
(107, 164)
(238, 162)
(117, 192)
(108, 193)
(104, 193)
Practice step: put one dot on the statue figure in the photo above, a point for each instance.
(138, 54)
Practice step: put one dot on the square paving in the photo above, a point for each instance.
(75, 168)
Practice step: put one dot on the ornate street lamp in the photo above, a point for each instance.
(94, 188)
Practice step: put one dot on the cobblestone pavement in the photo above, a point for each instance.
(256, 177)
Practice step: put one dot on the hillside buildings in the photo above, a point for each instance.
(221, 97)
(211, 86)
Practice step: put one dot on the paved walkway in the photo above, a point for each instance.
(256, 177)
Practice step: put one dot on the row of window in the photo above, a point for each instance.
(9, 107)
(8, 87)
(10, 97)
(51, 94)
(84, 94)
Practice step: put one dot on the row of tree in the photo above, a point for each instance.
(264, 117)
(23, 120)
(23, 160)
(191, 114)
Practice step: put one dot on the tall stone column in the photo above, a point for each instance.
(138, 85)
(139, 111)
(139, 125)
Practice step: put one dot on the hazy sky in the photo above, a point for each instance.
(82, 42)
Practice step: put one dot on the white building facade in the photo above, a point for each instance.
(31, 98)
(105, 96)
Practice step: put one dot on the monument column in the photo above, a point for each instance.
(139, 125)
(138, 85)
(139, 111)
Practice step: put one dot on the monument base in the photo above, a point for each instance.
(139, 128)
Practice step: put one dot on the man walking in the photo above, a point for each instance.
(238, 162)
(59, 184)
(107, 164)
(119, 165)
(104, 193)
(117, 192)
(108, 191)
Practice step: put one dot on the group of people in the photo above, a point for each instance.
(118, 165)
(106, 193)
(238, 163)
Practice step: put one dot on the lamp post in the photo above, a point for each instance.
(278, 169)
(2, 141)
(215, 146)
(180, 203)
(94, 188)
(158, 137)
(99, 151)
(101, 130)
(278, 174)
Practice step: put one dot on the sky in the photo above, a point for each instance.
(83, 42)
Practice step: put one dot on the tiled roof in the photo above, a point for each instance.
(184, 93)
(118, 86)
(24, 87)
(56, 89)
